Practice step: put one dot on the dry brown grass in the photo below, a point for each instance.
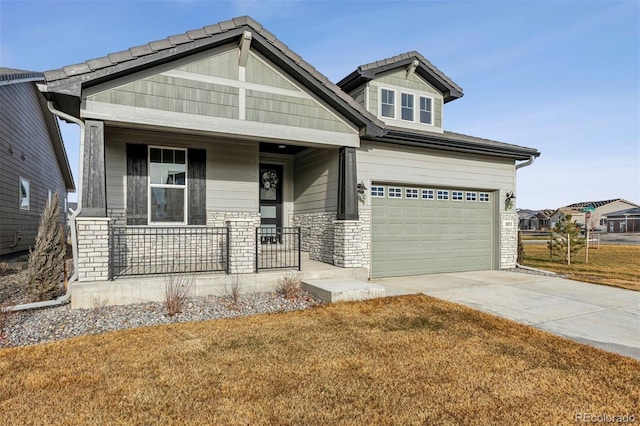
(610, 265)
(409, 360)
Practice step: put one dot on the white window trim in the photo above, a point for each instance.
(445, 192)
(378, 187)
(393, 190)
(480, 200)
(395, 103)
(28, 197)
(420, 109)
(461, 196)
(158, 185)
(407, 191)
(475, 198)
(413, 109)
(433, 194)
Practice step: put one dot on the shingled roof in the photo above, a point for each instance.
(596, 204)
(12, 74)
(426, 69)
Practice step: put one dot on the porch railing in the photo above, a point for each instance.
(277, 248)
(164, 250)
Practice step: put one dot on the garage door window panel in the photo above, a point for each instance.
(443, 195)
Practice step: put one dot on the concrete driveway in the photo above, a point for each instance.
(597, 315)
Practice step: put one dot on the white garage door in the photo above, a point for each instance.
(422, 230)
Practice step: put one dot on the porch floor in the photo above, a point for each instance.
(146, 288)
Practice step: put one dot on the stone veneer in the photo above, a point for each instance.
(93, 248)
(508, 239)
(347, 252)
(317, 234)
(220, 218)
(365, 225)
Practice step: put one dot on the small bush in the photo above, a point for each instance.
(46, 259)
(177, 288)
(520, 256)
(289, 286)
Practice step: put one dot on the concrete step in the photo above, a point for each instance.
(342, 289)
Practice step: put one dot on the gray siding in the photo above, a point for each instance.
(175, 95)
(394, 164)
(232, 168)
(291, 111)
(358, 95)
(316, 181)
(258, 72)
(23, 130)
(224, 65)
(414, 82)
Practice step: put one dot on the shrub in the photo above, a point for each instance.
(4, 269)
(520, 256)
(46, 259)
(177, 288)
(233, 290)
(569, 238)
(289, 286)
(5, 314)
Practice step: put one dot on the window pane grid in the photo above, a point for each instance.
(411, 193)
(377, 191)
(395, 192)
(387, 103)
(407, 107)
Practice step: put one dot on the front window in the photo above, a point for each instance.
(426, 112)
(407, 107)
(387, 103)
(167, 185)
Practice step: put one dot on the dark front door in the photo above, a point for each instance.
(270, 181)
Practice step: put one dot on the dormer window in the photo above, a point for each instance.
(388, 103)
(407, 107)
(426, 110)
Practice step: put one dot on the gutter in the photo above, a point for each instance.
(65, 298)
(526, 163)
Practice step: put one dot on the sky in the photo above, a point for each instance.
(559, 76)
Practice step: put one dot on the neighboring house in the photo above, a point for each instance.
(528, 220)
(33, 161)
(215, 140)
(627, 220)
(598, 219)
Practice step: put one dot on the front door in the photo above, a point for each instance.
(270, 181)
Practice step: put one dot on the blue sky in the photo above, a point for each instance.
(560, 76)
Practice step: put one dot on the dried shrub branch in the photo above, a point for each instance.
(177, 289)
(289, 286)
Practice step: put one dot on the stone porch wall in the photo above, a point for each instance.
(93, 248)
(317, 234)
(508, 239)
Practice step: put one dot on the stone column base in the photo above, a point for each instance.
(347, 248)
(93, 248)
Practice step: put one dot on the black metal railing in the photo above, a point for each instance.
(151, 250)
(277, 248)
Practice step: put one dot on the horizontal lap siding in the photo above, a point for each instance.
(23, 128)
(389, 163)
(316, 181)
(231, 168)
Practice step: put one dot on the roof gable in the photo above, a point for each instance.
(422, 67)
(66, 85)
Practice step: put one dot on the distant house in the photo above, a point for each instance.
(598, 218)
(627, 220)
(534, 220)
(33, 161)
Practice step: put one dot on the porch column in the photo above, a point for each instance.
(347, 185)
(94, 199)
(242, 248)
(347, 229)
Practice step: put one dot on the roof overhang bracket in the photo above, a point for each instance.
(245, 44)
(412, 68)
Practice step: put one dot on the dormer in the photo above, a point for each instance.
(405, 91)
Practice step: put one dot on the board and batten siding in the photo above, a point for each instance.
(211, 92)
(231, 168)
(23, 131)
(378, 162)
(316, 181)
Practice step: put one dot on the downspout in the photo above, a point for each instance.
(65, 298)
(519, 166)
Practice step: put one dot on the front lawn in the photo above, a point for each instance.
(401, 360)
(610, 264)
